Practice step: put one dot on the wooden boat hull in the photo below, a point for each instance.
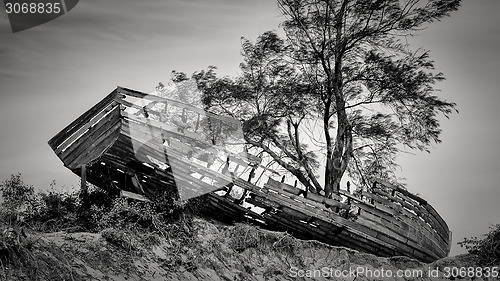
(119, 145)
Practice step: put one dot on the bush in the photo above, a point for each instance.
(486, 251)
(19, 199)
(131, 225)
(64, 211)
(49, 211)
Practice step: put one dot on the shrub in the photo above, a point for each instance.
(486, 251)
(19, 199)
(64, 211)
(48, 211)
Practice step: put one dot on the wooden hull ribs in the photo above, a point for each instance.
(143, 144)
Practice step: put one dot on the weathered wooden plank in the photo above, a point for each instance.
(403, 191)
(410, 204)
(283, 186)
(127, 162)
(434, 214)
(321, 199)
(399, 202)
(419, 206)
(368, 234)
(384, 208)
(146, 123)
(262, 201)
(415, 232)
(382, 200)
(257, 203)
(397, 239)
(93, 149)
(194, 167)
(118, 156)
(429, 233)
(223, 210)
(417, 209)
(286, 211)
(431, 220)
(297, 226)
(400, 242)
(181, 142)
(329, 228)
(55, 141)
(226, 204)
(190, 187)
(86, 141)
(294, 199)
(290, 203)
(336, 220)
(81, 130)
(357, 202)
(390, 224)
(415, 239)
(310, 199)
(176, 103)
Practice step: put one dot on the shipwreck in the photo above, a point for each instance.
(143, 144)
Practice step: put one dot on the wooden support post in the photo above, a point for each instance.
(84, 194)
(83, 175)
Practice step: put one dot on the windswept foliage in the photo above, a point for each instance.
(486, 250)
(342, 90)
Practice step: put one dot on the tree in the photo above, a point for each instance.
(374, 92)
(341, 85)
(343, 63)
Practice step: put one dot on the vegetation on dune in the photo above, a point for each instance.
(484, 251)
(127, 224)
(132, 229)
(65, 211)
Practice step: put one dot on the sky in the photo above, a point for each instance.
(51, 74)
